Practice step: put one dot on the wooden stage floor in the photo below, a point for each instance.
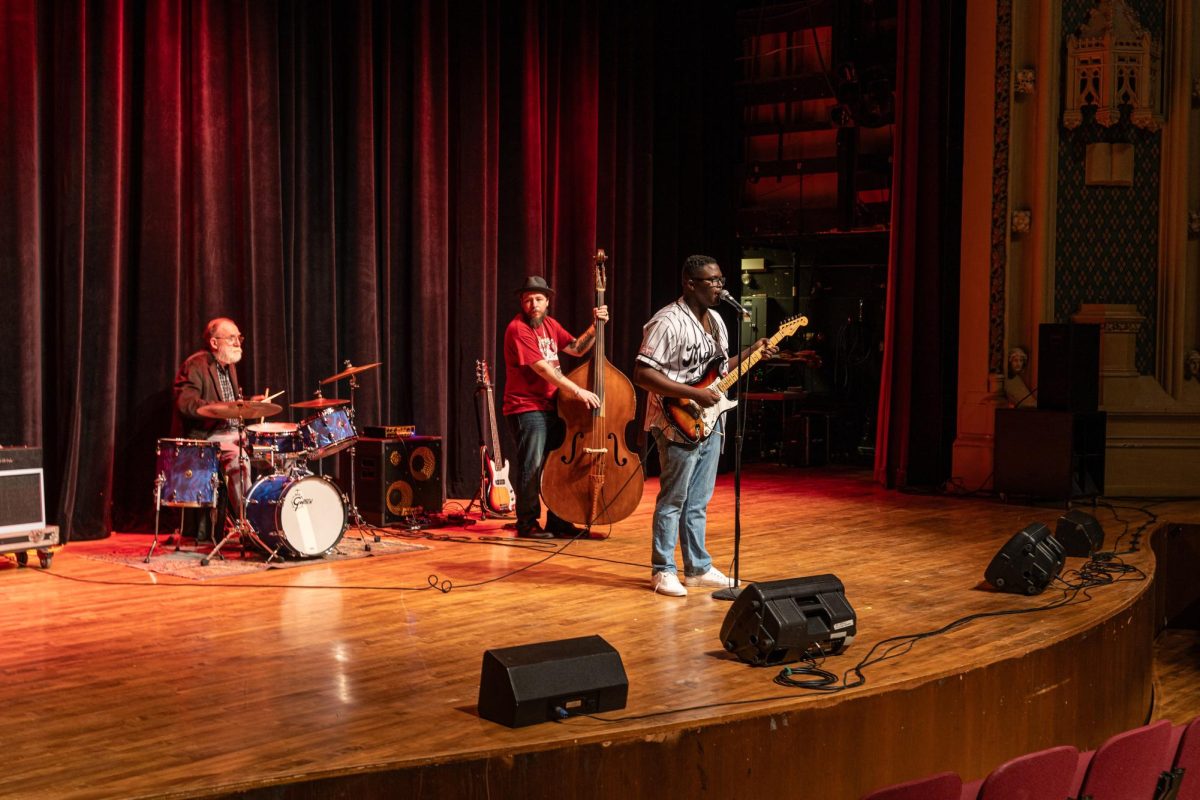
(356, 679)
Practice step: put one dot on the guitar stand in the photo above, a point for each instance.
(484, 511)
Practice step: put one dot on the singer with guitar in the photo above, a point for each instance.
(678, 345)
(533, 376)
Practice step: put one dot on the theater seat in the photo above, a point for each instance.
(1044, 775)
(1187, 758)
(943, 786)
(1126, 766)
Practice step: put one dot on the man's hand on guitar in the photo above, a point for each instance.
(703, 397)
(768, 350)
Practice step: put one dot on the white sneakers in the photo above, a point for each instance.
(714, 578)
(668, 582)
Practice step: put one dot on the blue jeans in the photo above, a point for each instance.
(537, 433)
(685, 486)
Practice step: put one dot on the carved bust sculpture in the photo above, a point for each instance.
(1191, 365)
(1017, 359)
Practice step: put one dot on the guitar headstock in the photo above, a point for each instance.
(792, 324)
(482, 377)
(600, 259)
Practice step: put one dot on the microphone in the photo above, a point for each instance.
(728, 298)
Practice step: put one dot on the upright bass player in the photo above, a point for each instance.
(533, 378)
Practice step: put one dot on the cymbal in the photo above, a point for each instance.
(239, 409)
(348, 371)
(320, 402)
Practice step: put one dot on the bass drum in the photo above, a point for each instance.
(301, 517)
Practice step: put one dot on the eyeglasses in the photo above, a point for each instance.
(238, 339)
(717, 281)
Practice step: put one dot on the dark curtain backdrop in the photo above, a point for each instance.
(919, 382)
(350, 180)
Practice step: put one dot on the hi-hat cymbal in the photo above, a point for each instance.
(239, 409)
(350, 370)
(320, 402)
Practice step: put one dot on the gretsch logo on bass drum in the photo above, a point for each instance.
(300, 500)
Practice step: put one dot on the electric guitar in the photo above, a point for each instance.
(694, 423)
(496, 494)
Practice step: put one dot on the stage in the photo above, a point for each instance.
(357, 678)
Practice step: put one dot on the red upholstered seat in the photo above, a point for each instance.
(943, 786)
(1044, 775)
(1127, 766)
(1187, 757)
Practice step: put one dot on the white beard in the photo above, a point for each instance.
(227, 354)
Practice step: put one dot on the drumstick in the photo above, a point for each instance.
(268, 397)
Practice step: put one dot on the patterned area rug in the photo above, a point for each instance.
(130, 551)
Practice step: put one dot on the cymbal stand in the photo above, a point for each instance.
(241, 528)
(360, 524)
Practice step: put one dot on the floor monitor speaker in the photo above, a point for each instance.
(534, 683)
(775, 622)
(1079, 533)
(1027, 562)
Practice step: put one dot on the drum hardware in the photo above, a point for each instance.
(237, 412)
(352, 372)
(187, 475)
(349, 372)
(275, 444)
(301, 515)
(320, 402)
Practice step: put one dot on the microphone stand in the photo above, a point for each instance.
(739, 414)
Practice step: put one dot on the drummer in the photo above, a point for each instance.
(210, 376)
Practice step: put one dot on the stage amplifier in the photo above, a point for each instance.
(23, 506)
(395, 478)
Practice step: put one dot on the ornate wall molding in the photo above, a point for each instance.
(1000, 217)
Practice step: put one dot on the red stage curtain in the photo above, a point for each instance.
(916, 419)
(351, 180)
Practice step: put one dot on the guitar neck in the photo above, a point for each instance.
(748, 362)
(494, 435)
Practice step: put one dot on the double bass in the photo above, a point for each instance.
(594, 478)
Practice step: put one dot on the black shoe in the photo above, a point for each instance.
(561, 529)
(533, 531)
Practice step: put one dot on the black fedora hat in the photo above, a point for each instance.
(535, 283)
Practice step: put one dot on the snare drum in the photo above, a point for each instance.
(327, 432)
(188, 472)
(301, 517)
(274, 444)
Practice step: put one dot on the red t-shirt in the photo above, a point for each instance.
(524, 389)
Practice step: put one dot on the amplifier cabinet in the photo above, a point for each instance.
(22, 503)
(395, 478)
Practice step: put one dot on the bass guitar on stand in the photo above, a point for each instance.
(495, 490)
(695, 423)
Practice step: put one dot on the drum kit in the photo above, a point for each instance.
(289, 512)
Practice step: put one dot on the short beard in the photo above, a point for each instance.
(228, 359)
(535, 322)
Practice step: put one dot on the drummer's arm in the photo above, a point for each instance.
(188, 388)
